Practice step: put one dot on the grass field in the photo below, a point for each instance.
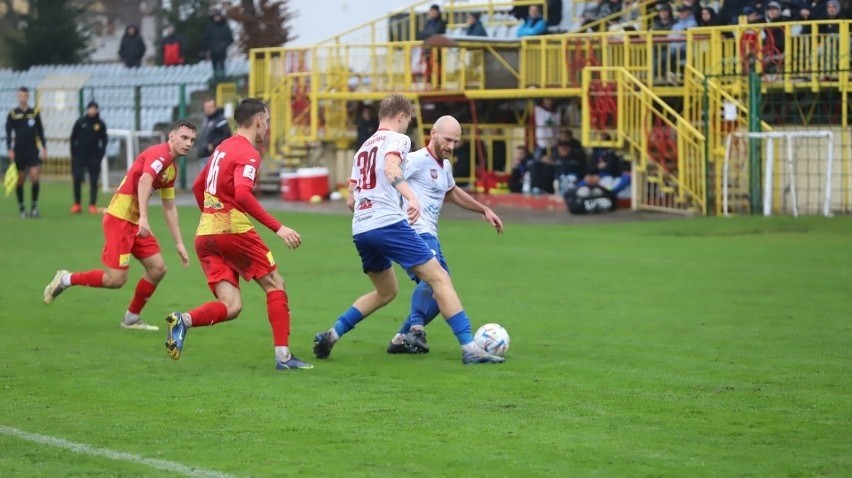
(704, 347)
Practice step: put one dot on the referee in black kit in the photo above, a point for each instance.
(25, 124)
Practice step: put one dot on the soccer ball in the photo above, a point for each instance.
(492, 338)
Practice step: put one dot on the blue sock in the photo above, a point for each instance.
(424, 308)
(461, 327)
(347, 321)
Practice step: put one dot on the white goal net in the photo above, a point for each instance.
(123, 147)
(779, 172)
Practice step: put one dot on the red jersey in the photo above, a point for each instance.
(156, 161)
(227, 182)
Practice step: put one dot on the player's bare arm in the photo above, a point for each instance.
(350, 200)
(395, 176)
(146, 185)
(171, 214)
(462, 199)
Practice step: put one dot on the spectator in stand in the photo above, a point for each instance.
(570, 165)
(542, 175)
(548, 121)
(174, 46)
(595, 11)
(214, 130)
(217, 38)
(694, 7)
(132, 47)
(773, 15)
(435, 25)
(554, 13)
(534, 25)
(664, 21)
(367, 125)
(607, 169)
(520, 167)
(630, 13)
(474, 26)
(677, 39)
(830, 48)
(731, 11)
(752, 15)
(708, 18)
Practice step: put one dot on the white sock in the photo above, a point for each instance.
(130, 318)
(334, 336)
(469, 347)
(187, 319)
(282, 353)
(417, 327)
(397, 339)
(66, 280)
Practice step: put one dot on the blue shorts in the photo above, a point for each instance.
(432, 242)
(398, 243)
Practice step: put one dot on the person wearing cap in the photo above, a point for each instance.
(88, 147)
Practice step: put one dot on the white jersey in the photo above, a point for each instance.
(376, 201)
(431, 179)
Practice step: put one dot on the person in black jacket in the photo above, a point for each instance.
(132, 47)
(88, 147)
(214, 130)
(24, 124)
(217, 38)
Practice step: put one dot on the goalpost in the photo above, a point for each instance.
(779, 172)
(124, 145)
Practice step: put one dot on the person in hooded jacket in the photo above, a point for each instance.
(88, 147)
(132, 47)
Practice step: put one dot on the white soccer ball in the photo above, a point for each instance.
(492, 338)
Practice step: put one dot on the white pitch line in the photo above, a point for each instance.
(84, 449)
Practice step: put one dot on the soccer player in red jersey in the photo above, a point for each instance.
(127, 231)
(227, 244)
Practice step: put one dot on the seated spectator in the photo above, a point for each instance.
(607, 169)
(731, 10)
(595, 11)
(630, 12)
(752, 15)
(474, 26)
(708, 18)
(685, 21)
(554, 13)
(664, 21)
(773, 15)
(694, 7)
(534, 25)
(570, 165)
(520, 167)
(542, 175)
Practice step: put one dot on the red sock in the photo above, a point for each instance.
(144, 290)
(210, 313)
(93, 278)
(278, 310)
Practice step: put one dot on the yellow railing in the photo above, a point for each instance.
(405, 23)
(668, 153)
(805, 60)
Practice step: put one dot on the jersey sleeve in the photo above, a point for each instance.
(167, 191)
(451, 181)
(400, 145)
(246, 168)
(154, 164)
(410, 166)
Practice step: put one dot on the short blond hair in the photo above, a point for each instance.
(395, 104)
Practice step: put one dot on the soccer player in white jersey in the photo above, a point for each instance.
(382, 233)
(430, 174)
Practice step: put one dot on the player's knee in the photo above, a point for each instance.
(387, 295)
(234, 309)
(114, 281)
(157, 272)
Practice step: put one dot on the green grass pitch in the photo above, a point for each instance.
(699, 347)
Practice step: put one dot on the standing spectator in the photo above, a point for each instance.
(132, 47)
(174, 47)
(214, 130)
(25, 124)
(217, 38)
(474, 26)
(534, 24)
(367, 125)
(435, 25)
(88, 147)
(664, 20)
(547, 124)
